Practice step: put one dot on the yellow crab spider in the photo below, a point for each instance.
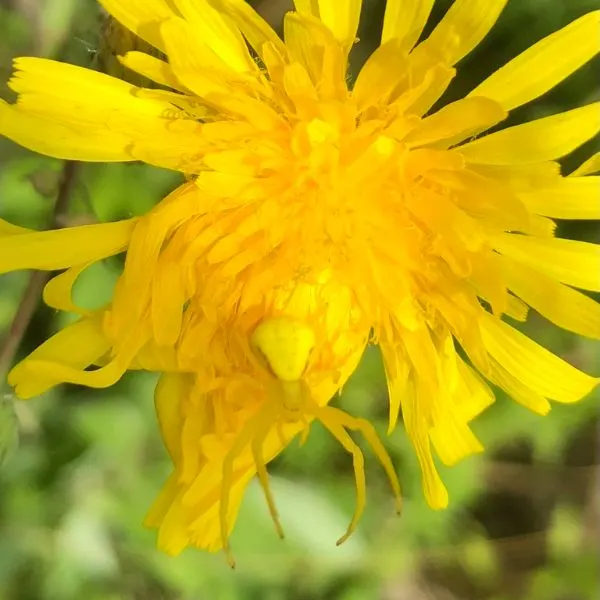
(285, 346)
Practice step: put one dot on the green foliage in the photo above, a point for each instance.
(89, 463)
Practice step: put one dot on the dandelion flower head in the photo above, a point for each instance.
(317, 217)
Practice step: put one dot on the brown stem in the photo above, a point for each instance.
(37, 279)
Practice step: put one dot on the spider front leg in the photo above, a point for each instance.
(252, 429)
(263, 477)
(369, 433)
(333, 425)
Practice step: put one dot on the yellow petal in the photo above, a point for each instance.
(463, 396)
(7, 228)
(341, 17)
(78, 345)
(405, 21)
(63, 248)
(568, 261)
(157, 359)
(173, 534)
(255, 29)
(163, 502)
(453, 440)
(61, 141)
(152, 68)
(541, 140)
(465, 24)
(133, 289)
(532, 365)
(143, 17)
(416, 428)
(544, 65)
(396, 372)
(472, 394)
(307, 7)
(424, 358)
(590, 166)
(455, 122)
(77, 94)
(193, 62)
(560, 304)
(421, 97)
(168, 298)
(78, 113)
(521, 178)
(171, 391)
(517, 390)
(53, 370)
(214, 29)
(376, 80)
(312, 44)
(58, 291)
(568, 198)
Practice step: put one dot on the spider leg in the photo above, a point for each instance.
(280, 433)
(248, 433)
(263, 476)
(332, 423)
(368, 431)
(305, 431)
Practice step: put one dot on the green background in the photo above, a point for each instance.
(80, 467)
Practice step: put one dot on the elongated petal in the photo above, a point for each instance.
(545, 139)
(534, 366)
(63, 248)
(457, 121)
(152, 68)
(562, 305)
(307, 7)
(85, 335)
(82, 95)
(193, 62)
(453, 440)
(568, 198)
(161, 506)
(7, 228)
(53, 370)
(312, 44)
(143, 17)
(61, 141)
(59, 290)
(376, 80)
(157, 359)
(172, 389)
(405, 21)
(416, 397)
(590, 166)
(255, 29)
(341, 17)
(77, 113)
(517, 390)
(472, 394)
(396, 371)
(168, 299)
(545, 64)
(212, 27)
(568, 261)
(465, 24)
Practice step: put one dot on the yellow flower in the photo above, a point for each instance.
(315, 218)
